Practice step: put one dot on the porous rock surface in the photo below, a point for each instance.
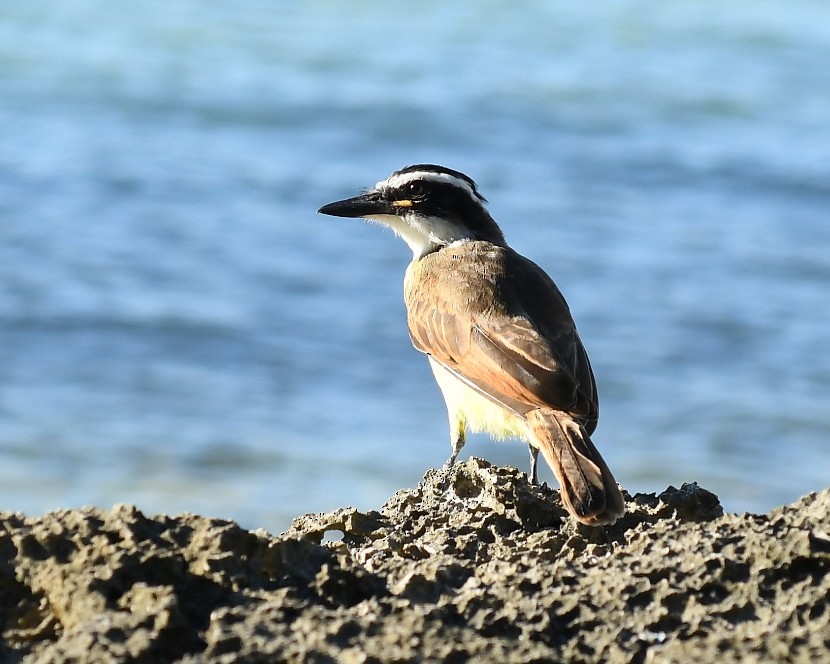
(473, 564)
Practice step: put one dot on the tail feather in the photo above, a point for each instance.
(588, 488)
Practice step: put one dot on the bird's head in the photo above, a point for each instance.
(429, 206)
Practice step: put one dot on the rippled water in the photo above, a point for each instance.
(179, 329)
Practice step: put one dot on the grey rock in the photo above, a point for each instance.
(473, 564)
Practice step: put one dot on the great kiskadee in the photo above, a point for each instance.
(498, 334)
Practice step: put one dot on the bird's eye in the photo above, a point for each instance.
(416, 189)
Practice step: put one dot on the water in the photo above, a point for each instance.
(179, 329)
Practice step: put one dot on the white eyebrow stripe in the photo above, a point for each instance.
(396, 181)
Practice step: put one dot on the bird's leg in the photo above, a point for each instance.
(534, 464)
(458, 437)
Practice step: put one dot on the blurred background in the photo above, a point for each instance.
(180, 330)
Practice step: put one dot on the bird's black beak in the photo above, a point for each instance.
(364, 205)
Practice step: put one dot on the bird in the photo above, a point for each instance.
(499, 335)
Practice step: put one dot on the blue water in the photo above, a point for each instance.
(180, 330)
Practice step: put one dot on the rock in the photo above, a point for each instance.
(475, 563)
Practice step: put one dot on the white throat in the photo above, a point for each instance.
(422, 233)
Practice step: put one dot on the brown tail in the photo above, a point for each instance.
(589, 490)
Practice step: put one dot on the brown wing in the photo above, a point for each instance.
(522, 352)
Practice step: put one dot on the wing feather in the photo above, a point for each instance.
(523, 351)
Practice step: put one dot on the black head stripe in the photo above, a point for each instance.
(438, 171)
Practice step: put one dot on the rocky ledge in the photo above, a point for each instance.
(475, 563)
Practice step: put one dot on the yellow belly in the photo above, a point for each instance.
(467, 408)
